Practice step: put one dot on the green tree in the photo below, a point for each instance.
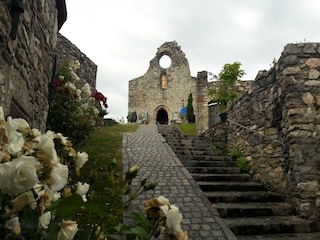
(190, 112)
(228, 77)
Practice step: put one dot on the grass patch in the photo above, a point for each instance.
(106, 142)
(103, 171)
(189, 129)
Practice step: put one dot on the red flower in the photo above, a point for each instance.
(66, 90)
(56, 83)
(100, 97)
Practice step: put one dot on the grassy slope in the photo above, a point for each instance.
(103, 146)
(188, 129)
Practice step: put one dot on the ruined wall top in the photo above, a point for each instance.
(174, 52)
(67, 52)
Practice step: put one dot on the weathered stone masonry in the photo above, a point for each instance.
(26, 61)
(284, 104)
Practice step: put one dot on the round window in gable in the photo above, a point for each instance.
(165, 61)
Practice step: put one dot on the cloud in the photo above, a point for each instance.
(122, 36)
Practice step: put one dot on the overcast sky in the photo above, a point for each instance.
(122, 36)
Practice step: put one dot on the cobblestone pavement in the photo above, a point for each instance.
(147, 148)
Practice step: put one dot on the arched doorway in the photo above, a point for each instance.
(162, 116)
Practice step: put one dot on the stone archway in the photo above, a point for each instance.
(162, 116)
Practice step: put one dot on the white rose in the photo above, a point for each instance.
(12, 124)
(21, 124)
(50, 134)
(44, 220)
(13, 225)
(58, 177)
(68, 230)
(81, 159)
(1, 113)
(19, 175)
(62, 138)
(56, 196)
(173, 220)
(36, 132)
(45, 143)
(82, 189)
(95, 111)
(16, 143)
(86, 91)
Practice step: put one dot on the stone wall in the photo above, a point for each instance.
(26, 61)
(202, 98)
(67, 52)
(284, 105)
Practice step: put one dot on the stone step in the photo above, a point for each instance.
(214, 158)
(238, 177)
(182, 144)
(221, 170)
(190, 152)
(252, 209)
(248, 208)
(284, 236)
(213, 163)
(230, 186)
(270, 225)
(243, 196)
(203, 158)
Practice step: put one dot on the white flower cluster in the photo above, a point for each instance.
(31, 171)
(87, 101)
(74, 66)
(166, 218)
(83, 95)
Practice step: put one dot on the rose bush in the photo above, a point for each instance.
(35, 182)
(74, 109)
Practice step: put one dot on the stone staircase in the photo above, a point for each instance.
(248, 208)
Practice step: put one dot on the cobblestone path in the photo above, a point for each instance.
(147, 148)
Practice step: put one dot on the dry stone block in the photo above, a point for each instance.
(288, 81)
(291, 71)
(308, 98)
(312, 83)
(314, 74)
(313, 62)
(311, 186)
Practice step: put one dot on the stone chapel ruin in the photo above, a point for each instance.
(159, 95)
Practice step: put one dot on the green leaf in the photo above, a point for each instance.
(143, 182)
(54, 205)
(141, 220)
(52, 234)
(140, 232)
(95, 208)
(119, 227)
(67, 207)
(113, 236)
(29, 218)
